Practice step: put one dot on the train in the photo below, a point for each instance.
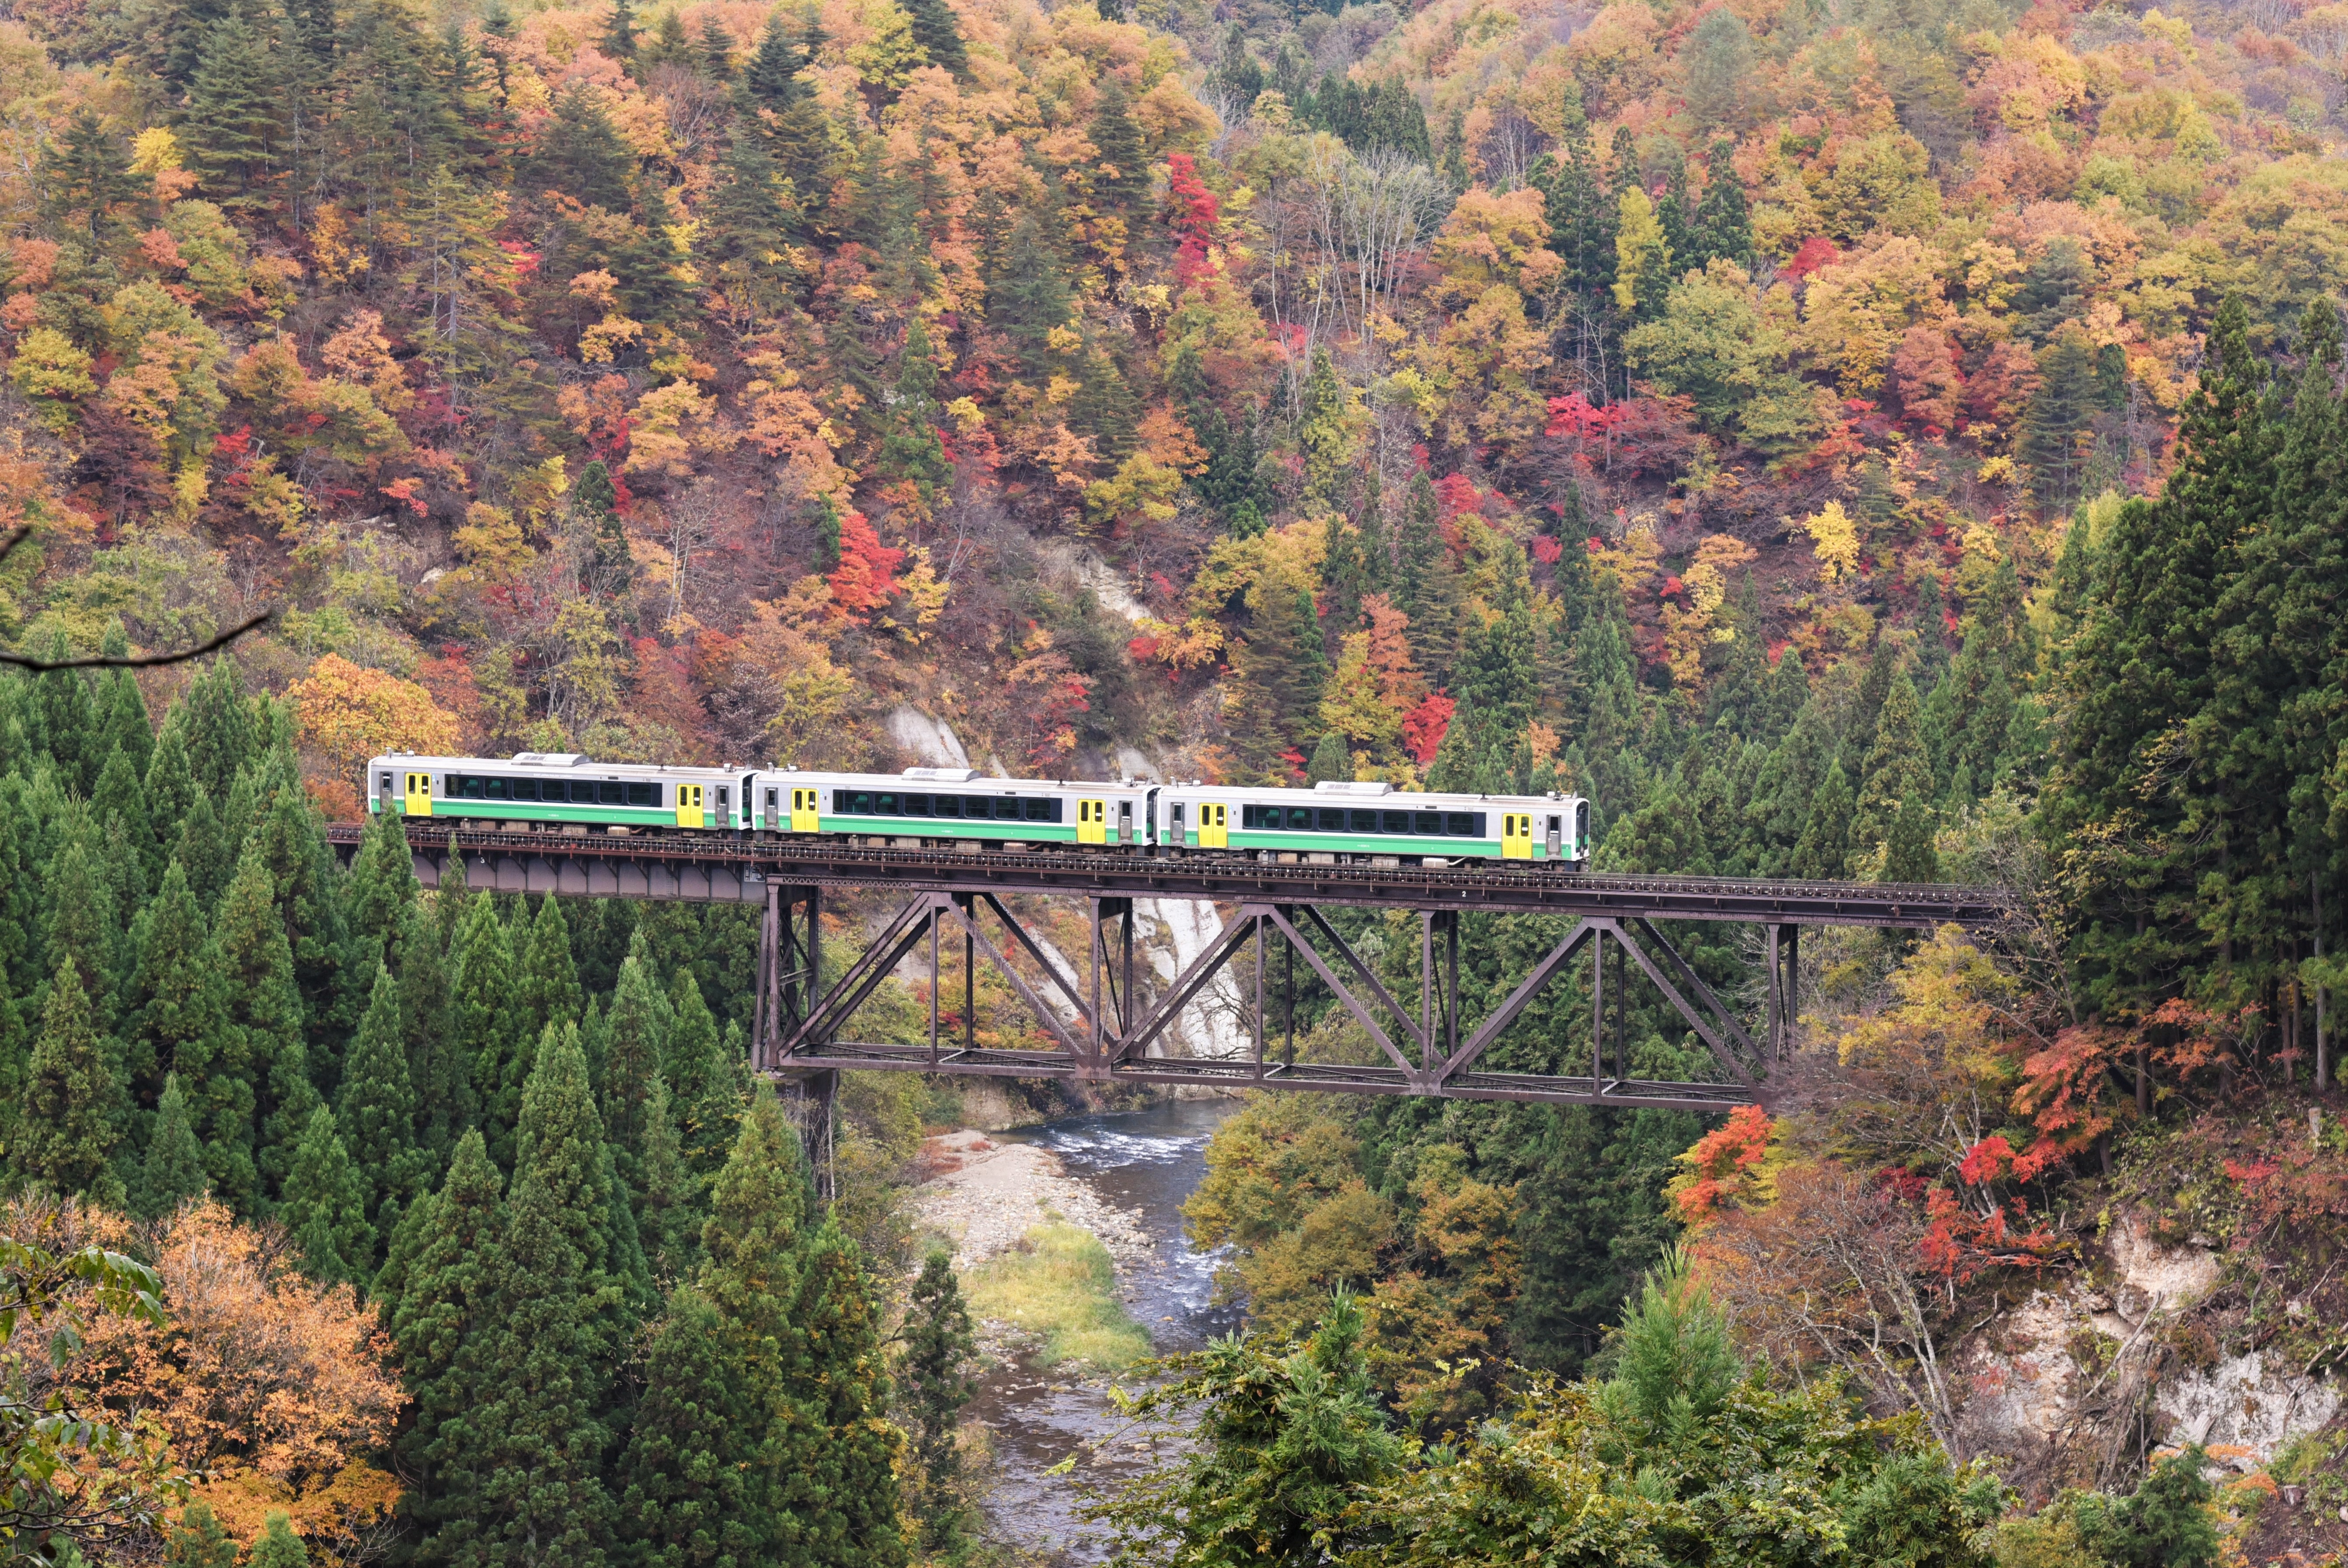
(960, 809)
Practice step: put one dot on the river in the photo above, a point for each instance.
(1148, 1162)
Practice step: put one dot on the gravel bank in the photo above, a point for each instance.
(984, 1196)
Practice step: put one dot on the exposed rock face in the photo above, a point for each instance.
(2081, 1381)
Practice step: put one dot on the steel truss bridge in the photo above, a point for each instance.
(1105, 1026)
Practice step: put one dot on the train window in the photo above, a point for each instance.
(1429, 821)
(917, 805)
(977, 808)
(1301, 818)
(1366, 821)
(643, 795)
(610, 793)
(1009, 808)
(525, 789)
(1395, 822)
(884, 805)
(721, 796)
(1260, 817)
(1333, 820)
(1037, 810)
(947, 805)
(860, 804)
(471, 787)
(1464, 824)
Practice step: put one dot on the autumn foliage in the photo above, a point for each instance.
(274, 1391)
(351, 712)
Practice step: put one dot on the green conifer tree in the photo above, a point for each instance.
(235, 123)
(748, 228)
(618, 38)
(1909, 855)
(1897, 767)
(198, 1542)
(173, 1170)
(437, 1069)
(939, 36)
(382, 884)
(2058, 414)
(74, 1098)
(206, 851)
(705, 1089)
(546, 978)
(121, 798)
(291, 838)
(482, 986)
(667, 1197)
(1427, 583)
(86, 179)
(269, 1093)
(547, 1360)
(219, 728)
(439, 1291)
(1330, 760)
(122, 718)
(376, 1112)
(1122, 178)
(694, 1489)
(842, 1493)
(176, 1014)
(83, 928)
(1824, 848)
(67, 717)
(324, 1209)
(1325, 434)
(934, 1385)
(170, 783)
(634, 1037)
(278, 1547)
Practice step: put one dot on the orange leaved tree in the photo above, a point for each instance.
(279, 1389)
(351, 712)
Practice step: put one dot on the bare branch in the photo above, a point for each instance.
(126, 661)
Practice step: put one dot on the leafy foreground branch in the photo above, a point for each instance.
(70, 1483)
(1684, 1456)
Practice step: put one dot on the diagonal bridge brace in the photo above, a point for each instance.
(1717, 1028)
(926, 917)
(1088, 1048)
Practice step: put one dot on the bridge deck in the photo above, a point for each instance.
(702, 868)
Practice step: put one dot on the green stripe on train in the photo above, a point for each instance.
(1347, 843)
(945, 827)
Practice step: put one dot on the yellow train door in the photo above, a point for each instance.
(418, 801)
(1516, 836)
(1092, 821)
(1214, 825)
(803, 813)
(688, 806)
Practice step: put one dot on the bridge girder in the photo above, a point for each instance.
(1098, 1028)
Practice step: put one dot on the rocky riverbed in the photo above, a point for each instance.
(1123, 1178)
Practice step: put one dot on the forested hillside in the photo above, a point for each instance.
(1841, 437)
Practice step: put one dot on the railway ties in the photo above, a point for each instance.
(1097, 1025)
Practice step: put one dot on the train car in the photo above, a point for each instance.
(930, 808)
(561, 792)
(1338, 823)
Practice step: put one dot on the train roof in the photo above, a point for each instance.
(555, 762)
(1335, 791)
(953, 778)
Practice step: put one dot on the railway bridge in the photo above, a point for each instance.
(1105, 1025)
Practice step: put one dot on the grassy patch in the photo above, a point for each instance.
(1061, 1287)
